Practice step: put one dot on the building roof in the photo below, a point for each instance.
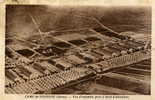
(76, 59)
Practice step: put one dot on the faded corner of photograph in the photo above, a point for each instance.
(90, 50)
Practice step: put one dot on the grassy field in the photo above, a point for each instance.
(120, 19)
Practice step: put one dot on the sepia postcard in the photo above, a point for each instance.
(77, 49)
